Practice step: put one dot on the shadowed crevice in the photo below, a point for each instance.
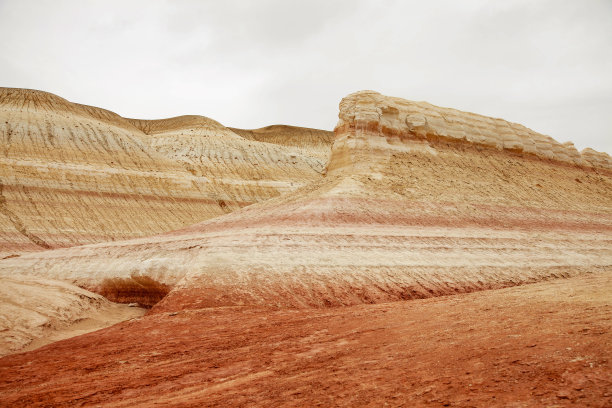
(143, 290)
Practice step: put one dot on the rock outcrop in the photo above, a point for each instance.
(32, 308)
(406, 210)
(72, 174)
(373, 123)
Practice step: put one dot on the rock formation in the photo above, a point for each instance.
(72, 174)
(311, 142)
(370, 122)
(408, 209)
(415, 201)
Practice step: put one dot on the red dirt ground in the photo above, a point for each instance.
(545, 344)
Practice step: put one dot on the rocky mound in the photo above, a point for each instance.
(409, 208)
(72, 174)
(39, 309)
(418, 201)
(235, 167)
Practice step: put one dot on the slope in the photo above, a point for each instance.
(410, 208)
(46, 310)
(545, 344)
(252, 170)
(314, 142)
(73, 174)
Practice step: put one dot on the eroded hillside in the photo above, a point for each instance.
(72, 174)
(405, 211)
(415, 201)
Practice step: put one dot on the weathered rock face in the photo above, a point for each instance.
(235, 167)
(72, 174)
(406, 210)
(372, 124)
(398, 216)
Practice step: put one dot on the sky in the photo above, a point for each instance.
(544, 64)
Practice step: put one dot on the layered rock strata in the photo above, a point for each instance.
(404, 212)
(235, 168)
(371, 123)
(72, 174)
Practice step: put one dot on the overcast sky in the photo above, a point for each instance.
(545, 64)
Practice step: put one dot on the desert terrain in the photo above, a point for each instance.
(543, 344)
(417, 255)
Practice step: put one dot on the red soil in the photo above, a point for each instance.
(140, 289)
(545, 344)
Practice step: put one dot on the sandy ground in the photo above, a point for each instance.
(544, 344)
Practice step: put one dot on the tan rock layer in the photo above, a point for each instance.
(372, 117)
(31, 306)
(73, 174)
(313, 141)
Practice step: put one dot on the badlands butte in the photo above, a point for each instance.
(295, 266)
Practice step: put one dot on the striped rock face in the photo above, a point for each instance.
(72, 174)
(375, 125)
(417, 201)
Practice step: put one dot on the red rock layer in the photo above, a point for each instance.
(537, 345)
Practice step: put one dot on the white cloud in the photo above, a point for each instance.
(545, 64)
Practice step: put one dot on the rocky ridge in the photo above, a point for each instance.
(369, 117)
(397, 217)
(31, 308)
(73, 174)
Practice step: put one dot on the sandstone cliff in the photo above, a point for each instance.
(407, 210)
(373, 123)
(72, 174)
